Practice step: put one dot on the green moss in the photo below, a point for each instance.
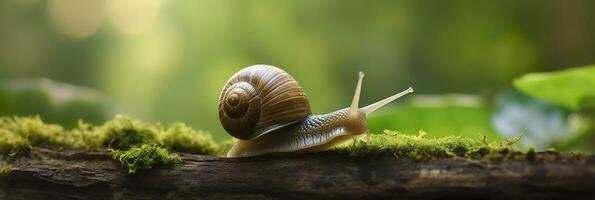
(34, 130)
(131, 140)
(145, 157)
(82, 136)
(140, 145)
(419, 147)
(5, 169)
(182, 138)
(123, 133)
(12, 144)
(18, 134)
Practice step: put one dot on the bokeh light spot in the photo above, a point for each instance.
(77, 18)
(133, 16)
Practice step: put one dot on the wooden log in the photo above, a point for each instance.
(75, 174)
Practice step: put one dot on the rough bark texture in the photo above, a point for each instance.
(71, 174)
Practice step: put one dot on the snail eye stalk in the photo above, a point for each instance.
(355, 102)
(375, 106)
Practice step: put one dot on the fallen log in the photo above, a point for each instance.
(76, 174)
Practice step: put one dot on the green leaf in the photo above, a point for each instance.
(572, 88)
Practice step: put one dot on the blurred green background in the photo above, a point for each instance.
(163, 60)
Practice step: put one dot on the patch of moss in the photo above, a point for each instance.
(123, 133)
(12, 144)
(130, 140)
(18, 134)
(182, 138)
(419, 147)
(83, 136)
(5, 169)
(145, 157)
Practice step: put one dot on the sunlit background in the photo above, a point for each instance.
(163, 60)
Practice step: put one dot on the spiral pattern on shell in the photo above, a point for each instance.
(259, 99)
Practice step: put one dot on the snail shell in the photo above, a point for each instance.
(260, 99)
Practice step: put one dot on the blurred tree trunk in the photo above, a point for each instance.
(68, 174)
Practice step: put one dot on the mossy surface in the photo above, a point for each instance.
(145, 157)
(5, 169)
(123, 133)
(419, 147)
(139, 145)
(182, 138)
(19, 134)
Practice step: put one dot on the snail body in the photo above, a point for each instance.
(266, 109)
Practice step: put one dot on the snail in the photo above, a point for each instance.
(267, 110)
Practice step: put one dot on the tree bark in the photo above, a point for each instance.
(75, 174)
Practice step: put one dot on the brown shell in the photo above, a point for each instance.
(259, 99)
